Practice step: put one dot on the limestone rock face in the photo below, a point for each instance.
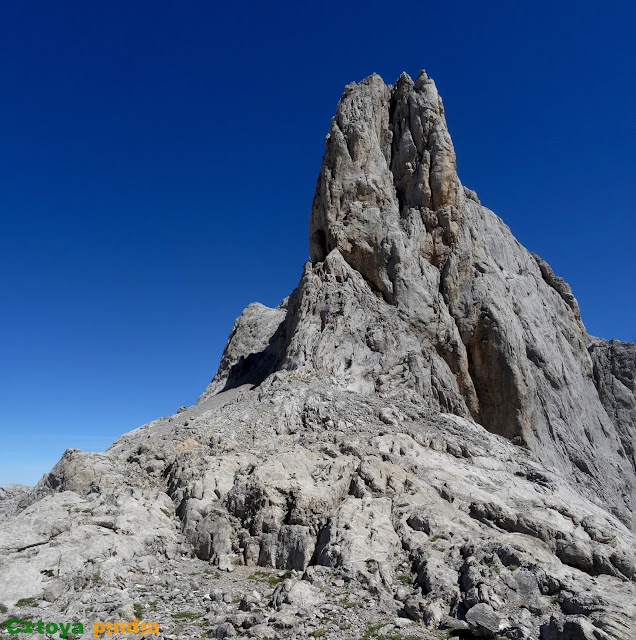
(492, 332)
(422, 440)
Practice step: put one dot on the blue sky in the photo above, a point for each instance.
(159, 160)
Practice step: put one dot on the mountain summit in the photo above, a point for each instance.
(415, 289)
(422, 435)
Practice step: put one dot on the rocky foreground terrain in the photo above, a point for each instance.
(422, 441)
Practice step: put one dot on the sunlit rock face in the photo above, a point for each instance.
(483, 327)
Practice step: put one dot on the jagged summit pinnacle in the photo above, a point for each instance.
(397, 135)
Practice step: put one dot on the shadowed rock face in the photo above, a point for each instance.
(423, 430)
(615, 379)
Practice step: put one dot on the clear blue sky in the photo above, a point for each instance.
(159, 160)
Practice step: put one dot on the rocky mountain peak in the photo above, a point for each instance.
(388, 151)
(415, 289)
(422, 438)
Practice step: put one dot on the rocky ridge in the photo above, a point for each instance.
(421, 441)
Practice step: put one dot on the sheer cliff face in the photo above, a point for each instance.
(416, 289)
